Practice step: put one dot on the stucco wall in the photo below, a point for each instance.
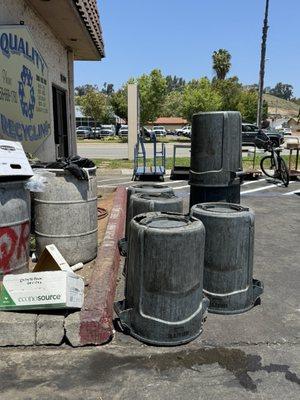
(56, 57)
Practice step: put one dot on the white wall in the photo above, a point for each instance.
(56, 57)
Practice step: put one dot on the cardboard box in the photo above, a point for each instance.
(41, 290)
(51, 260)
(51, 285)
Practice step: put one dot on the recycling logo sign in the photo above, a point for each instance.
(27, 106)
(24, 89)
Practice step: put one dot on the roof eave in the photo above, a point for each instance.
(65, 21)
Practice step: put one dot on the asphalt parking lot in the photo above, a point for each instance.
(255, 355)
(263, 187)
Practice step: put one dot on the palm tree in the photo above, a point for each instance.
(221, 63)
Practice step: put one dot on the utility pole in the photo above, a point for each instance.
(262, 66)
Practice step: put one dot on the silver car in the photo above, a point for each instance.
(160, 131)
(107, 130)
(123, 131)
(84, 132)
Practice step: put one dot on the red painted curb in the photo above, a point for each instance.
(96, 316)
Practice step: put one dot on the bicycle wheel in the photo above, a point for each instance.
(268, 167)
(284, 172)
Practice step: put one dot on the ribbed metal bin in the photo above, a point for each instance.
(216, 156)
(140, 203)
(147, 188)
(14, 227)
(164, 302)
(66, 215)
(228, 263)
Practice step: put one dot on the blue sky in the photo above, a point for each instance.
(179, 36)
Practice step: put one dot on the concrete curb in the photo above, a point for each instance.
(96, 316)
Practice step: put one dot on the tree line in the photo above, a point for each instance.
(172, 96)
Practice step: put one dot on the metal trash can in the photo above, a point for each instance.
(14, 227)
(228, 263)
(148, 188)
(66, 215)
(141, 203)
(164, 302)
(216, 157)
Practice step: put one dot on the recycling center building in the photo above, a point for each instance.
(39, 42)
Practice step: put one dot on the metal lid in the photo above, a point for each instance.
(225, 208)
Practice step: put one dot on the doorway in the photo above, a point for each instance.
(60, 122)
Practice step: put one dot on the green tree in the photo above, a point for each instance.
(109, 115)
(118, 101)
(108, 88)
(95, 105)
(282, 90)
(172, 106)
(230, 91)
(83, 89)
(152, 89)
(174, 83)
(221, 63)
(199, 95)
(247, 106)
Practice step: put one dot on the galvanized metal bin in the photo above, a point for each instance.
(147, 188)
(14, 227)
(164, 302)
(140, 203)
(66, 215)
(216, 156)
(228, 263)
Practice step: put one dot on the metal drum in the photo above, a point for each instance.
(140, 203)
(216, 157)
(228, 263)
(14, 227)
(148, 188)
(66, 215)
(164, 302)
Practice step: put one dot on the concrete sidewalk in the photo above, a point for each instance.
(264, 372)
(93, 323)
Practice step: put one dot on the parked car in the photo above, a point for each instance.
(184, 131)
(84, 132)
(250, 131)
(107, 130)
(123, 131)
(178, 131)
(160, 131)
(187, 131)
(147, 133)
(97, 131)
(287, 131)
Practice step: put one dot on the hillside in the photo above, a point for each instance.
(285, 108)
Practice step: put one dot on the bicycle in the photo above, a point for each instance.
(274, 165)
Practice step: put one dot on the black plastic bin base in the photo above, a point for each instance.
(156, 332)
(238, 303)
(207, 194)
